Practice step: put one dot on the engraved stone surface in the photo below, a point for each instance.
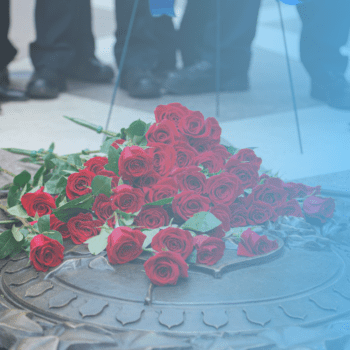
(129, 314)
(171, 317)
(93, 307)
(38, 289)
(62, 299)
(215, 317)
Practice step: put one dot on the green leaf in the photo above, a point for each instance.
(82, 204)
(18, 236)
(74, 159)
(8, 244)
(51, 147)
(113, 158)
(13, 196)
(38, 177)
(21, 179)
(201, 222)
(98, 243)
(150, 234)
(19, 211)
(161, 201)
(54, 235)
(139, 140)
(136, 128)
(49, 161)
(105, 146)
(192, 258)
(57, 184)
(101, 184)
(44, 223)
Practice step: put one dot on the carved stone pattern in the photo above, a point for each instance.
(93, 307)
(38, 289)
(171, 317)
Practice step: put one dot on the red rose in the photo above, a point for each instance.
(215, 130)
(152, 217)
(222, 212)
(115, 182)
(60, 226)
(252, 244)
(185, 154)
(165, 268)
(210, 161)
(127, 199)
(202, 144)
(224, 188)
(102, 207)
(245, 155)
(173, 112)
(134, 162)
(299, 190)
(159, 192)
(175, 240)
(221, 151)
(274, 181)
(217, 232)
(247, 173)
(290, 208)
(188, 203)
(190, 179)
(78, 184)
(210, 250)
(148, 180)
(319, 208)
(259, 212)
(106, 173)
(124, 244)
(164, 132)
(193, 125)
(164, 158)
(116, 143)
(239, 215)
(82, 227)
(269, 194)
(45, 252)
(96, 164)
(38, 202)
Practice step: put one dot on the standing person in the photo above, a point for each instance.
(7, 54)
(151, 50)
(64, 48)
(326, 26)
(197, 39)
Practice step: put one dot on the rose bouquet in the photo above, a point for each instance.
(169, 188)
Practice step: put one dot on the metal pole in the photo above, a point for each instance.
(218, 58)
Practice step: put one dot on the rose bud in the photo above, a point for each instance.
(175, 240)
(96, 164)
(116, 143)
(127, 199)
(45, 252)
(124, 244)
(38, 202)
(319, 208)
(60, 226)
(165, 268)
(209, 250)
(78, 183)
(82, 227)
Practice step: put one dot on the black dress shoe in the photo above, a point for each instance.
(332, 89)
(7, 94)
(91, 70)
(46, 84)
(141, 83)
(4, 78)
(200, 78)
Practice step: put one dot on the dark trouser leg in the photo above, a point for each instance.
(238, 26)
(7, 51)
(326, 26)
(152, 41)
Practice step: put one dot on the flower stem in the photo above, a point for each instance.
(3, 222)
(6, 172)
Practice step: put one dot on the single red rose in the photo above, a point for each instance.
(221, 151)
(274, 181)
(185, 154)
(190, 179)
(239, 215)
(245, 155)
(164, 133)
(269, 194)
(116, 143)
(134, 162)
(82, 227)
(124, 244)
(173, 112)
(252, 244)
(290, 208)
(263, 178)
(210, 161)
(152, 217)
(102, 207)
(45, 252)
(164, 157)
(115, 182)
(217, 232)
(78, 183)
(60, 226)
(165, 268)
(260, 212)
(222, 212)
(299, 190)
(202, 144)
(224, 188)
(127, 199)
(188, 203)
(159, 192)
(96, 164)
(106, 173)
(319, 208)
(149, 180)
(210, 250)
(38, 202)
(247, 173)
(175, 240)
(193, 125)
(215, 130)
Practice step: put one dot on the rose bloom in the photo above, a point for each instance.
(149, 180)
(247, 173)
(193, 125)
(124, 244)
(45, 252)
(164, 132)
(210, 161)
(269, 193)
(221, 151)
(96, 164)
(299, 190)
(215, 130)
(159, 192)
(260, 212)
(82, 227)
(38, 202)
(175, 240)
(152, 217)
(222, 212)
(185, 154)
(290, 208)
(319, 208)
(60, 226)
(190, 179)
(164, 157)
(245, 155)
(165, 268)
(239, 215)
(116, 143)
(173, 112)
(209, 250)
(127, 199)
(102, 207)
(78, 184)
(252, 244)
